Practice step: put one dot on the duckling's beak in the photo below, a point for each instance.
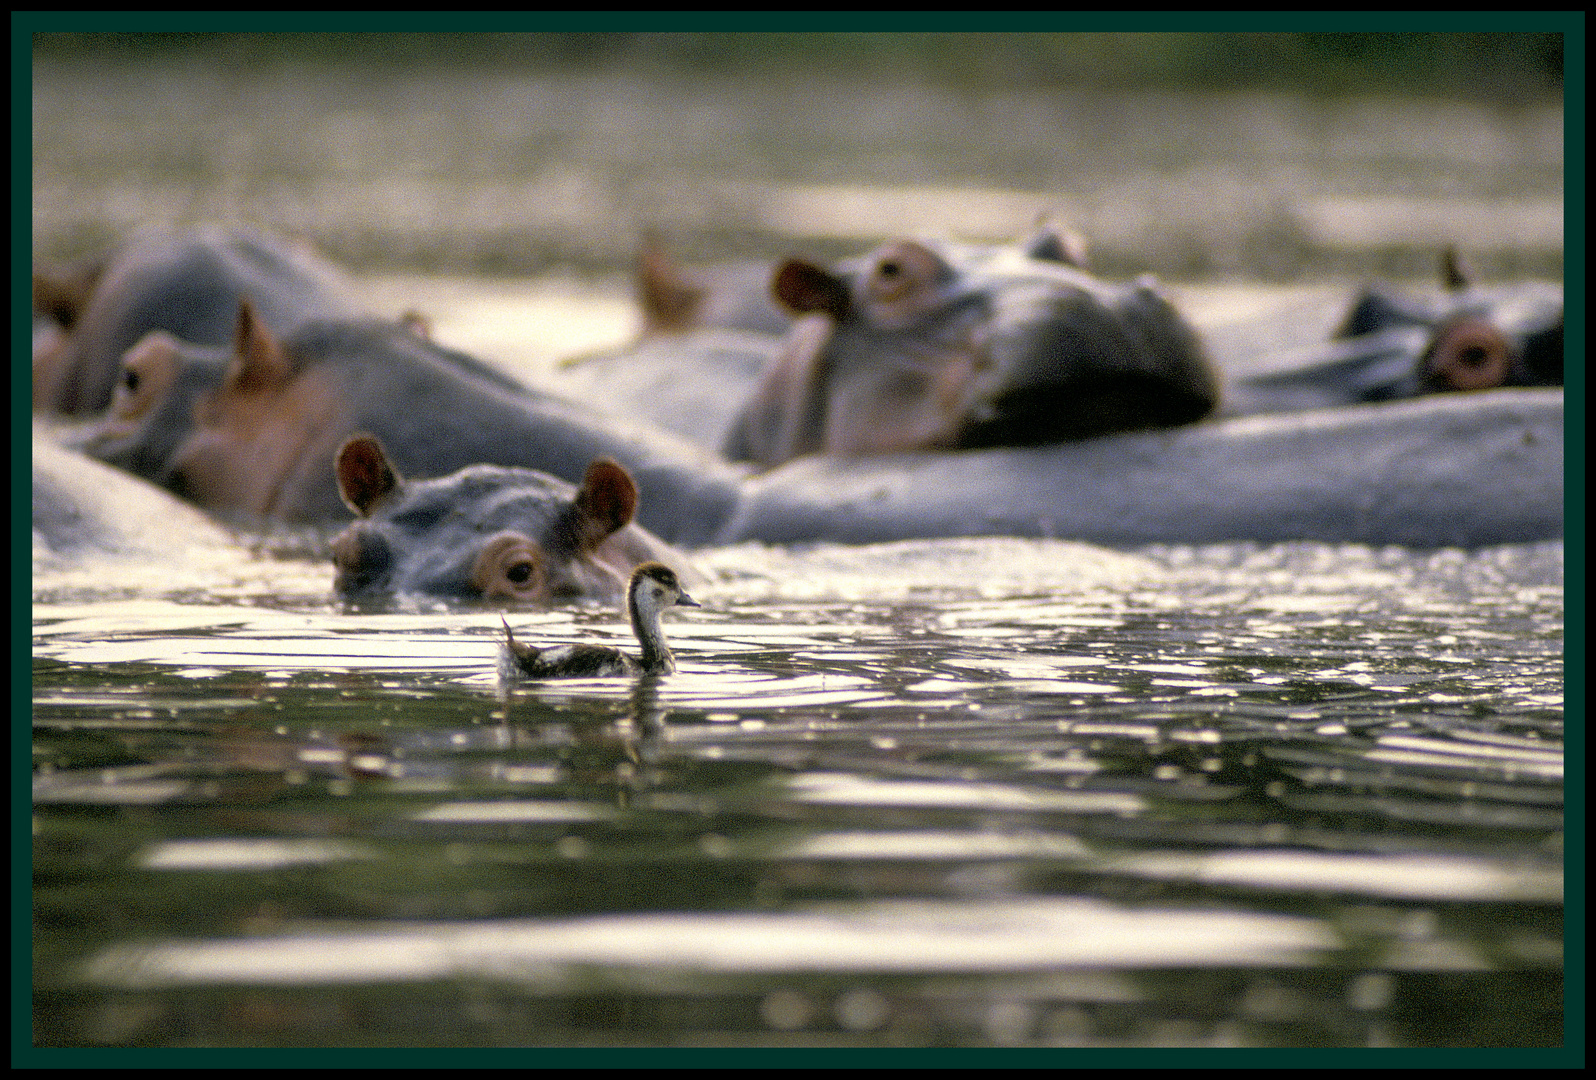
(683, 600)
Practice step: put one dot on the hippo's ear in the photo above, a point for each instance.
(366, 476)
(1456, 273)
(417, 323)
(1054, 243)
(669, 298)
(258, 360)
(805, 288)
(63, 296)
(606, 502)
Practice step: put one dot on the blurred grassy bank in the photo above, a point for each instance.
(1497, 67)
(1274, 157)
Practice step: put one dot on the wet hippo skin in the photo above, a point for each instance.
(1449, 469)
(188, 283)
(1393, 344)
(926, 345)
(252, 434)
(490, 533)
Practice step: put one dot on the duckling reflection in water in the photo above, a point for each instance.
(653, 588)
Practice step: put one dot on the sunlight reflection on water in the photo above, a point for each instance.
(1015, 758)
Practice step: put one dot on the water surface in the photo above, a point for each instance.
(967, 792)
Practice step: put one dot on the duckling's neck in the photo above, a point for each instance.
(657, 659)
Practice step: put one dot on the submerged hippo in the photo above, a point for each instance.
(162, 381)
(252, 433)
(918, 345)
(1392, 345)
(924, 345)
(504, 535)
(1439, 471)
(188, 283)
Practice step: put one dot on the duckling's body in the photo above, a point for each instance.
(653, 588)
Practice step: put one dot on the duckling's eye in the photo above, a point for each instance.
(889, 270)
(520, 573)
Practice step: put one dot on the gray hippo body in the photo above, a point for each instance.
(1394, 344)
(84, 511)
(917, 345)
(251, 434)
(1447, 470)
(693, 383)
(923, 345)
(188, 283)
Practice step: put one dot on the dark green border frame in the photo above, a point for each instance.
(25, 23)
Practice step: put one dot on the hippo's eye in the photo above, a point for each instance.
(902, 272)
(510, 566)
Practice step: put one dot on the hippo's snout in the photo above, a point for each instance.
(361, 560)
(1470, 354)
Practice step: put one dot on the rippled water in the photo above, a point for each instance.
(968, 792)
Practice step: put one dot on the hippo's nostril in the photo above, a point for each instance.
(130, 379)
(1470, 354)
(520, 573)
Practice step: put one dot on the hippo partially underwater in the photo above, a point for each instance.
(917, 345)
(185, 282)
(488, 532)
(1393, 344)
(250, 433)
(252, 430)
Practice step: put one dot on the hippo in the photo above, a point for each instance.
(86, 514)
(162, 379)
(188, 283)
(924, 345)
(919, 345)
(1462, 470)
(250, 433)
(1393, 344)
(488, 533)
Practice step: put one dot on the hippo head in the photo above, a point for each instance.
(924, 345)
(1470, 338)
(160, 382)
(503, 535)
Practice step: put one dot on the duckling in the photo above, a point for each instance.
(653, 588)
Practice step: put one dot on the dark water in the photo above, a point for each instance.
(948, 793)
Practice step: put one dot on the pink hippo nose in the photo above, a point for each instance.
(1469, 354)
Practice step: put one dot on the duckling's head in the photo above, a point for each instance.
(655, 587)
